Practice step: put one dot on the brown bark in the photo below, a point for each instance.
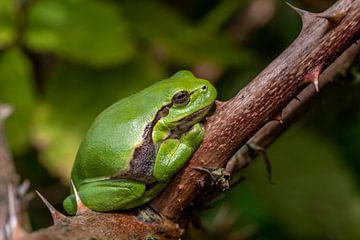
(94, 225)
(323, 38)
(295, 109)
(12, 198)
(7, 172)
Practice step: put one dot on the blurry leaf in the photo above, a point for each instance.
(16, 89)
(219, 15)
(340, 103)
(277, 35)
(232, 81)
(314, 196)
(289, 23)
(73, 99)
(92, 32)
(168, 32)
(7, 25)
(321, 197)
(355, 70)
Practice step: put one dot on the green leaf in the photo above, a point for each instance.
(178, 39)
(7, 23)
(86, 31)
(16, 89)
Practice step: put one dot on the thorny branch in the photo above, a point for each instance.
(11, 196)
(273, 129)
(7, 172)
(324, 37)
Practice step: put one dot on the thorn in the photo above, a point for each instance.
(297, 98)
(55, 214)
(316, 85)
(12, 228)
(253, 146)
(306, 16)
(23, 188)
(297, 10)
(279, 118)
(7, 232)
(334, 18)
(81, 208)
(313, 77)
(13, 221)
(219, 104)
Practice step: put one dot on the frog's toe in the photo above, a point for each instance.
(69, 205)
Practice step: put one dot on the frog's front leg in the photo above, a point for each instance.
(107, 195)
(174, 153)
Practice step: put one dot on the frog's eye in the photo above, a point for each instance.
(181, 98)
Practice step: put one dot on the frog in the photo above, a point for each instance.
(134, 147)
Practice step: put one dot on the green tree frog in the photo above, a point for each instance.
(135, 146)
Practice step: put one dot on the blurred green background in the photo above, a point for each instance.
(63, 61)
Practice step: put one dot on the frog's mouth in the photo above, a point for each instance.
(184, 124)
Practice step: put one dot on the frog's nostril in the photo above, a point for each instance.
(204, 87)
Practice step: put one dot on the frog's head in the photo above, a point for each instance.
(190, 100)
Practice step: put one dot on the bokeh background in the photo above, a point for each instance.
(63, 61)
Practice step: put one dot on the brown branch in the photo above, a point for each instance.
(7, 171)
(320, 42)
(323, 38)
(14, 198)
(296, 108)
(94, 225)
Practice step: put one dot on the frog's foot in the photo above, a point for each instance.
(107, 195)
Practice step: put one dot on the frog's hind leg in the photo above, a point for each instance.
(107, 195)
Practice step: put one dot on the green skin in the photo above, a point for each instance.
(136, 145)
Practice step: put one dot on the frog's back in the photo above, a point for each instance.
(117, 132)
(109, 144)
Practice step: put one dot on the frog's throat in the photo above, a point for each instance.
(195, 117)
(184, 124)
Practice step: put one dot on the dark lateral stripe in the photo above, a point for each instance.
(143, 160)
